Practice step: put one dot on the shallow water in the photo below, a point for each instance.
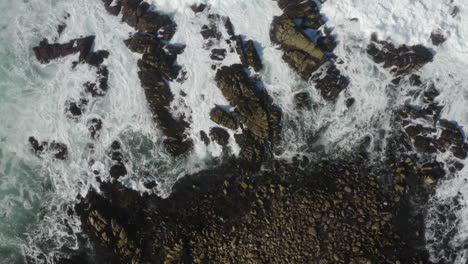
(35, 194)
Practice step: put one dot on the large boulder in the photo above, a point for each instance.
(224, 118)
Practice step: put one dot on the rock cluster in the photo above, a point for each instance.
(74, 108)
(402, 60)
(55, 149)
(324, 213)
(157, 66)
(301, 53)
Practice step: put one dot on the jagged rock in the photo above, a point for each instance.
(326, 43)
(218, 54)
(198, 8)
(248, 54)
(46, 52)
(156, 89)
(113, 9)
(219, 135)
(300, 10)
(223, 118)
(331, 84)
(241, 93)
(424, 144)
(144, 43)
(56, 149)
(204, 137)
(402, 60)
(314, 22)
(177, 147)
(160, 62)
(229, 27)
(251, 150)
(285, 33)
(94, 127)
(100, 88)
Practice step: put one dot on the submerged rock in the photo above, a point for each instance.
(56, 149)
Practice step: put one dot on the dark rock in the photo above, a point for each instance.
(330, 85)
(350, 102)
(248, 54)
(118, 170)
(94, 127)
(204, 137)
(229, 27)
(198, 8)
(75, 109)
(112, 9)
(424, 144)
(437, 38)
(251, 150)
(402, 60)
(56, 149)
(177, 147)
(46, 52)
(218, 54)
(326, 43)
(219, 135)
(223, 118)
(144, 43)
(210, 32)
(303, 100)
(313, 22)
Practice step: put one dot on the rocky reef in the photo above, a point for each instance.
(157, 67)
(306, 57)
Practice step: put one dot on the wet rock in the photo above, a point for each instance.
(74, 109)
(437, 37)
(286, 34)
(350, 102)
(204, 137)
(113, 9)
(94, 127)
(224, 118)
(424, 144)
(198, 8)
(313, 22)
(327, 213)
(300, 10)
(331, 83)
(46, 52)
(117, 168)
(303, 100)
(251, 150)
(56, 149)
(248, 54)
(326, 43)
(161, 63)
(218, 54)
(402, 60)
(177, 146)
(229, 27)
(241, 93)
(219, 135)
(144, 43)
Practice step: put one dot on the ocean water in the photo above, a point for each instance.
(35, 194)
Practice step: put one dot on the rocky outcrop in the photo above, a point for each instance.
(301, 53)
(224, 118)
(94, 127)
(117, 168)
(55, 149)
(219, 135)
(157, 68)
(248, 53)
(290, 214)
(401, 60)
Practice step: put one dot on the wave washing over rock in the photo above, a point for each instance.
(265, 131)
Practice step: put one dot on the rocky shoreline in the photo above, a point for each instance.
(255, 208)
